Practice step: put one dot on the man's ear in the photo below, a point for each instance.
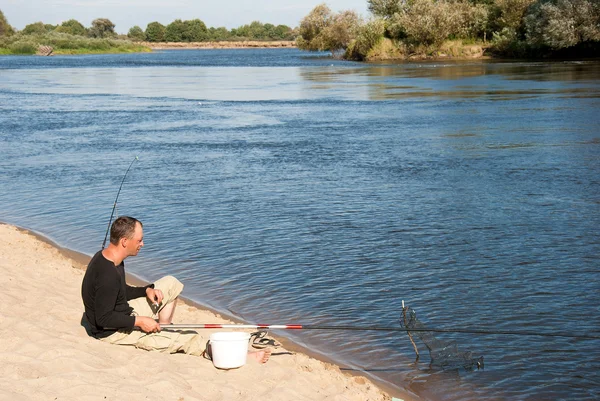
(123, 242)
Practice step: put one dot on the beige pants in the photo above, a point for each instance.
(186, 341)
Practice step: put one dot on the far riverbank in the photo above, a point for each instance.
(450, 50)
(219, 45)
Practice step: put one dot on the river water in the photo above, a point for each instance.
(288, 187)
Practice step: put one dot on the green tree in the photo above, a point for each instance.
(368, 35)
(431, 22)
(218, 34)
(269, 31)
(507, 24)
(155, 32)
(72, 27)
(323, 30)
(195, 31)
(425, 22)
(136, 33)
(509, 14)
(174, 31)
(254, 30)
(385, 8)
(37, 28)
(341, 30)
(311, 27)
(102, 28)
(257, 30)
(282, 32)
(241, 31)
(559, 24)
(471, 20)
(5, 28)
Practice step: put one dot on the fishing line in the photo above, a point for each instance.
(376, 328)
(443, 354)
(116, 199)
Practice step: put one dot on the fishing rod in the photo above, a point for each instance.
(373, 328)
(116, 199)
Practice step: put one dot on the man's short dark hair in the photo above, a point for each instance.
(123, 227)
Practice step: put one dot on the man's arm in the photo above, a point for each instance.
(147, 324)
(106, 316)
(136, 292)
(155, 296)
(105, 302)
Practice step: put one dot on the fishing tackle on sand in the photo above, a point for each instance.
(413, 329)
(443, 354)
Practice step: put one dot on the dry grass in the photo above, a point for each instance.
(387, 49)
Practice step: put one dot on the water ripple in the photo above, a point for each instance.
(326, 194)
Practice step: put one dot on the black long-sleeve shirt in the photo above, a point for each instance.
(105, 294)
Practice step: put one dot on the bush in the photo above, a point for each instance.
(24, 46)
(255, 30)
(367, 37)
(340, 31)
(385, 8)
(460, 49)
(473, 20)
(559, 24)
(394, 28)
(507, 43)
(431, 22)
(509, 14)
(311, 27)
(72, 27)
(136, 33)
(65, 44)
(220, 33)
(64, 41)
(322, 30)
(37, 28)
(387, 49)
(428, 22)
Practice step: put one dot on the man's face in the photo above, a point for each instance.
(135, 243)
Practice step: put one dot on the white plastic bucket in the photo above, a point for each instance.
(229, 350)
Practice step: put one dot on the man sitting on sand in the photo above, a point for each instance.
(113, 308)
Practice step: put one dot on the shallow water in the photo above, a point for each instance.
(281, 187)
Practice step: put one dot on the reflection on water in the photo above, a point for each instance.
(466, 80)
(284, 188)
(448, 80)
(529, 71)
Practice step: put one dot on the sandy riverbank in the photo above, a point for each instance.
(247, 44)
(47, 355)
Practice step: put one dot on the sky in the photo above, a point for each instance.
(127, 13)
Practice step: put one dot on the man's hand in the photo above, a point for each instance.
(147, 324)
(155, 296)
